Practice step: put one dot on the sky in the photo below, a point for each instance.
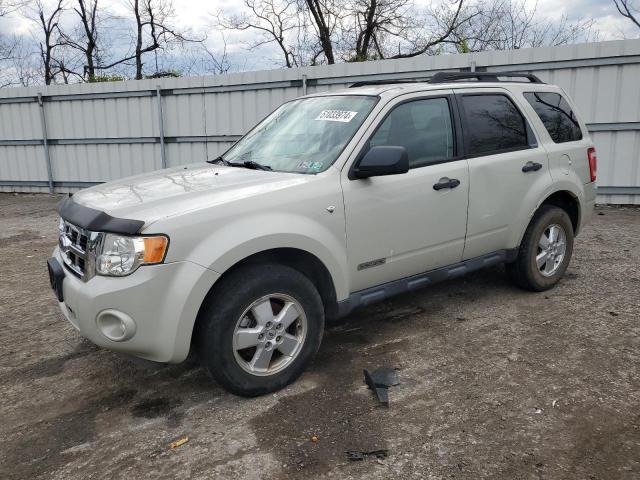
(199, 16)
(612, 26)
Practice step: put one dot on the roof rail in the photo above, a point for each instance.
(365, 83)
(449, 77)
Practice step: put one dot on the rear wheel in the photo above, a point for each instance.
(260, 329)
(545, 251)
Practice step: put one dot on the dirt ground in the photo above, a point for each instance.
(495, 382)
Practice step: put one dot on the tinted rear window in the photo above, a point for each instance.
(556, 115)
(493, 124)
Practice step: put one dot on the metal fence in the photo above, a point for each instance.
(64, 137)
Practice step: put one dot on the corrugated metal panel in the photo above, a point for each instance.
(95, 163)
(185, 153)
(22, 163)
(20, 121)
(101, 132)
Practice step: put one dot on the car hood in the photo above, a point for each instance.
(150, 197)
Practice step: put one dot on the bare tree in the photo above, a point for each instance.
(208, 58)
(433, 30)
(10, 6)
(153, 32)
(7, 54)
(23, 65)
(373, 21)
(214, 63)
(48, 22)
(276, 21)
(308, 32)
(515, 24)
(401, 29)
(153, 29)
(11, 48)
(85, 38)
(324, 14)
(628, 10)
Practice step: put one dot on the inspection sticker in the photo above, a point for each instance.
(336, 115)
(310, 165)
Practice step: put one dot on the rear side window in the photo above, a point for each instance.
(492, 124)
(423, 127)
(556, 115)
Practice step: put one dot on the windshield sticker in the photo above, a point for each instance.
(310, 166)
(336, 115)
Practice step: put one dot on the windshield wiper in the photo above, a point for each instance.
(246, 164)
(219, 160)
(250, 164)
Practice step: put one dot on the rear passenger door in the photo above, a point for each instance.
(508, 169)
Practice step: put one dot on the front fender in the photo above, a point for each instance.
(246, 236)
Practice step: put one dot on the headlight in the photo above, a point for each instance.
(123, 255)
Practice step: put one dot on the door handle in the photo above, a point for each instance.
(531, 167)
(446, 183)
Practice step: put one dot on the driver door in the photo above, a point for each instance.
(405, 224)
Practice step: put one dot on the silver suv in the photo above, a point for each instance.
(332, 202)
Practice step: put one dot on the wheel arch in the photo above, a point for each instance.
(568, 202)
(301, 260)
(563, 197)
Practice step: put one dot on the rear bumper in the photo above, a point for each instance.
(162, 301)
(588, 204)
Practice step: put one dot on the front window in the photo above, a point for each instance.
(304, 136)
(423, 127)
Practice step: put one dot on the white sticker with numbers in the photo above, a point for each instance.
(336, 115)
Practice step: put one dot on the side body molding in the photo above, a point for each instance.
(415, 282)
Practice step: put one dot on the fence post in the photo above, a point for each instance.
(304, 85)
(45, 142)
(161, 127)
(472, 66)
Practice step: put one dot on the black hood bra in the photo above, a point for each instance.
(96, 220)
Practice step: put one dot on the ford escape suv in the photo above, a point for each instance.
(332, 202)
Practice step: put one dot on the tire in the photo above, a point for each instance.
(525, 271)
(272, 290)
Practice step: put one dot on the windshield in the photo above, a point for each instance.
(303, 136)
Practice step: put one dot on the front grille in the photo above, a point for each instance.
(76, 247)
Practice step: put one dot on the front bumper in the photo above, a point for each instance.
(162, 301)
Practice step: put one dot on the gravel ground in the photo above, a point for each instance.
(495, 382)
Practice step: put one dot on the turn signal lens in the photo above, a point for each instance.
(122, 255)
(154, 249)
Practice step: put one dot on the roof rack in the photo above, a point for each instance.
(365, 83)
(446, 77)
(449, 77)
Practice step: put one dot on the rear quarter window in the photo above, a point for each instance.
(556, 115)
(493, 124)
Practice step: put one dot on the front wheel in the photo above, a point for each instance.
(545, 251)
(260, 329)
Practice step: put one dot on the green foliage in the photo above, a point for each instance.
(105, 77)
(361, 58)
(167, 74)
(463, 46)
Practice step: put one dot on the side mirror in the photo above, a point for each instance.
(382, 160)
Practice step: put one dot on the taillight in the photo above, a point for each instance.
(593, 163)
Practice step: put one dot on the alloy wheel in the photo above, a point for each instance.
(269, 334)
